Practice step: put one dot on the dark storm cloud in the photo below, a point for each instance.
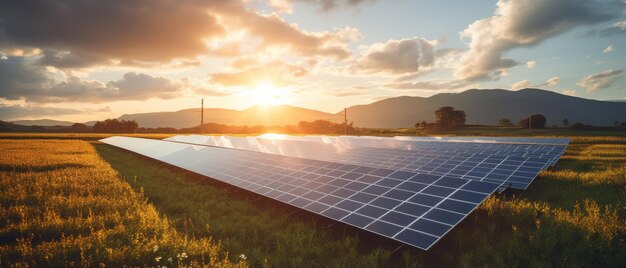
(96, 31)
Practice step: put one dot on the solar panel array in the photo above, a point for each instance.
(411, 207)
(413, 190)
(509, 165)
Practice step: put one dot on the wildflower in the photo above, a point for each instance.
(170, 259)
(243, 257)
(155, 248)
(184, 255)
(158, 259)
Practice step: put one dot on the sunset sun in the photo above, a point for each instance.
(267, 94)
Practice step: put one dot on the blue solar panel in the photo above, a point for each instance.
(411, 207)
(469, 161)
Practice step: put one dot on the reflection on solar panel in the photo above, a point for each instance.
(497, 163)
(411, 207)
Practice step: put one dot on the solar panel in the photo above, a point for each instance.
(522, 140)
(537, 149)
(424, 144)
(507, 170)
(415, 208)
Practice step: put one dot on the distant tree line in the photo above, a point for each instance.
(115, 126)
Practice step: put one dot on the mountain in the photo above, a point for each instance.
(482, 106)
(487, 107)
(255, 115)
(43, 122)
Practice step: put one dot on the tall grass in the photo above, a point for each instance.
(62, 205)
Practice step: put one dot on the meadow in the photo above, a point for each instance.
(84, 200)
(63, 205)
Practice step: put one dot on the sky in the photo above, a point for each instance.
(82, 60)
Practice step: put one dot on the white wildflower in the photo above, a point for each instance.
(158, 259)
(243, 257)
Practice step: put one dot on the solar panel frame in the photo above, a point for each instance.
(288, 179)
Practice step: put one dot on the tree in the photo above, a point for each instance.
(421, 125)
(505, 122)
(565, 122)
(116, 126)
(536, 121)
(79, 127)
(449, 118)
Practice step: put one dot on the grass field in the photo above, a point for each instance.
(572, 215)
(62, 205)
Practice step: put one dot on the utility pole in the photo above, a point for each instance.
(345, 121)
(530, 121)
(202, 116)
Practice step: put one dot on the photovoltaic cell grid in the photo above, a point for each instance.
(536, 149)
(414, 208)
(529, 147)
(524, 140)
(509, 171)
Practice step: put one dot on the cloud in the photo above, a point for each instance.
(520, 84)
(76, 33)
(396, 56)
(569, 92)
(348, 92)
(323, 5)
(277, 73)
(526, 83)
(522, 23)
(551, 82)
(531, 64)
(435, 84)
(599, 81)
(276, 32)
(608, 49)
(13, 112)
(20, 78)
(615, 28)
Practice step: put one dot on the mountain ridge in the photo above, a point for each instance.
(482, 106)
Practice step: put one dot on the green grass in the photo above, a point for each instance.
(572, 215)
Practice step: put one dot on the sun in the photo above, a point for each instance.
(266, 94)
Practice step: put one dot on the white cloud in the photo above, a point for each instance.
(569, 92)
(526, 83)
(396, 56)
(522, 23)
(608, 49)
(595, 82)
(520, 85)
(531, 64)
(552, 81)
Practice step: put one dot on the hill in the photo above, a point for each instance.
(43, 122)
(487, 107)
(255, 115)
